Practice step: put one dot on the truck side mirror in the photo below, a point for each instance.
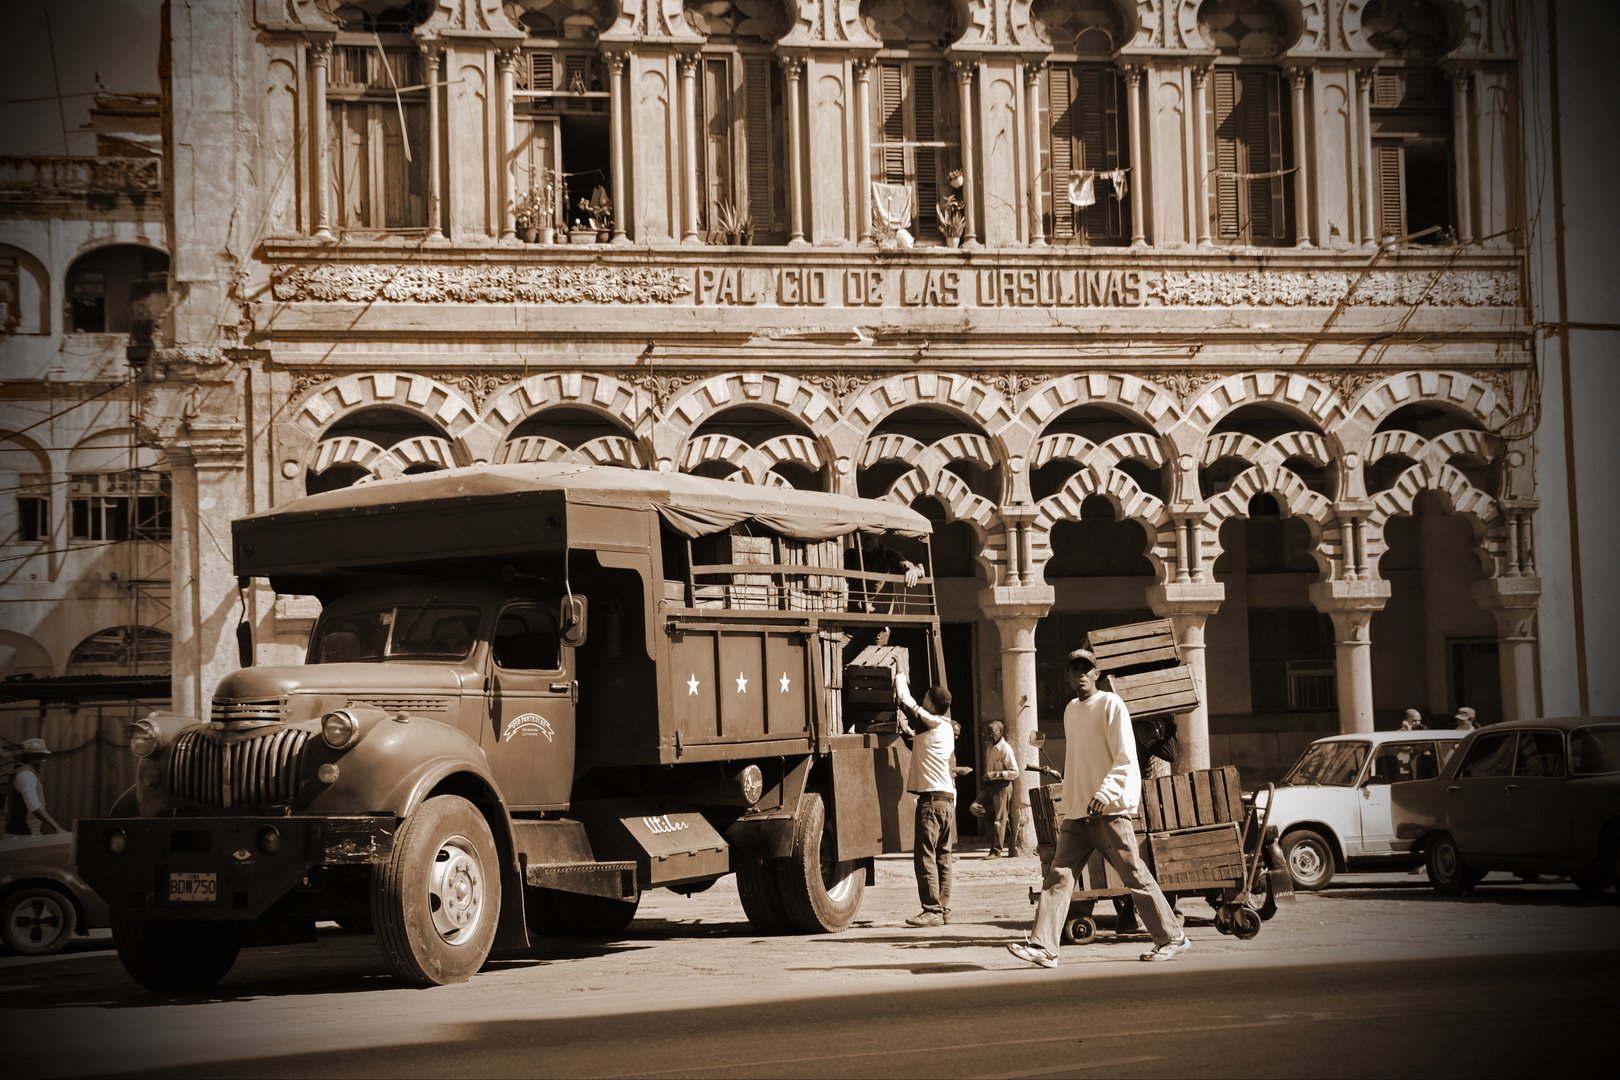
(572, 621)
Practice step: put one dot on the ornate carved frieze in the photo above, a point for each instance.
(1186, 384)
(303, 380)
(479, 387)
(661, 387)
(480, 284)
(1325, 288)
(841, 385)
(1013, 383)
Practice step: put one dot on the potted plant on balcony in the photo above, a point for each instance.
(952, 220)
(583, 227)
(732, 224)
(534, 211)
(602, 213)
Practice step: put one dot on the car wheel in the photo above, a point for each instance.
(1448, 872)
(1310, 859)
(38, 921)
(436, 899)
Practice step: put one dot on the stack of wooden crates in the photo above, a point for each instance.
(1194, 826)
(1144, 667)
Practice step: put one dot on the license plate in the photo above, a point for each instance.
(192, 888)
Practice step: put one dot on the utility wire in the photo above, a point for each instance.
(56, 77)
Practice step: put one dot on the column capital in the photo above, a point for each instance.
(963, 67)
(1342, 597)
(1033, 67)
(616, 60)
(1132, 69)
(1508, 593)
(1364, 76)
(1184, 598)
(507, 59)
(320, 53)
(792, 65)
(1004, 603)
(1458, 72)
(1297, 73)
(687, 62)
(862, 66)
(431, 49)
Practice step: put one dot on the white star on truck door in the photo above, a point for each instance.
(742, 683)
(691, 686)
(784, 682)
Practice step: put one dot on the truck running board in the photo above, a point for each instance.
(613, 880)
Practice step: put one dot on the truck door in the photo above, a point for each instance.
(529, 739)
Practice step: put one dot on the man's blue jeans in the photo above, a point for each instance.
(936, 824)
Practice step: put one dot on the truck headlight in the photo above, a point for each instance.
(143, 739)
(339, 729)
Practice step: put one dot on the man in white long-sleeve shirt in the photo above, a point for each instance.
(1102, 785)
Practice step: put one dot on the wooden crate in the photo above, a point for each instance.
(1192, 799)
(1135, 647)
(1206, 857)
(869, 698)
(1171, 690)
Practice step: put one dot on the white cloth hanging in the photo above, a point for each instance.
(1118, 177)
(1082, 188)
(893, 203)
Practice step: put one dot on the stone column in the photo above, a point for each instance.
(206, 463)
(1514, 601)
(1302, 229)
(506, 63)
(1188, 605)
(1136, 180)
(793, 67)
(1351, 605)
(1015, 611)
(1200, 76)
(1363, 152)
(1462, 150)
(688, 63)
(1032, 126)
(616, 62)
(862, 66)
(431, 52)
(963, 72)
(320, 58)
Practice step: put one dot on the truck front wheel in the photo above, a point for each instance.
(174, 954)
(819, 894)
(594, 916)
(436, 899)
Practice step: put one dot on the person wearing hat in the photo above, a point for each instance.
(1413, 721)
(1102, 785)
(25, 803)
(1465, 719)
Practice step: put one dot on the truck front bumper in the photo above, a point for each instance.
(218, 867)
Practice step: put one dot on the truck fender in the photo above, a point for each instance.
(769, 835)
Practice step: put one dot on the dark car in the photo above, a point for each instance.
(43, 901)
(1530, 797)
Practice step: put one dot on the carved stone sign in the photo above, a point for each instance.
(812, 286)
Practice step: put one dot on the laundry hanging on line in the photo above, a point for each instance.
(1082, 185)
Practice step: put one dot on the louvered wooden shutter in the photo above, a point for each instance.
(1386, 89)
(541, 74)
(1390, 187)
(1099, 104)
(576, 64)
(757, 139)
(892, 123)
(715, 164)
(1262, 107)
(928, 157)
(1228, 214)
(1060, 102)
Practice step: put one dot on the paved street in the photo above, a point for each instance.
(1377, 976)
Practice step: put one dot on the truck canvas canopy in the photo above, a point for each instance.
(496, 509)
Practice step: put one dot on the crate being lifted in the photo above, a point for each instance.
(1144, 667)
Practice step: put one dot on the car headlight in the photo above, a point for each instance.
(339, 729)
(143, 739)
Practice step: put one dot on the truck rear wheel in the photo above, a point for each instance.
(436, 899)
(176, 954)
(819, 894)
(593, 916)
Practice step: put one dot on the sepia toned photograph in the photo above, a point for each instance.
(809, 538)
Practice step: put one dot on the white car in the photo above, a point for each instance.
(1333, 808)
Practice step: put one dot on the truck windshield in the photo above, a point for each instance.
(1332, 764)
(1594, 750)
(407, 632)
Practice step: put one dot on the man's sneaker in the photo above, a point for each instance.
(926, 918)
(1168, 950)
(1032, 954)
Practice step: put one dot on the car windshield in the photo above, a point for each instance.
(1333, 764)
(1594, 750)
(425, 631)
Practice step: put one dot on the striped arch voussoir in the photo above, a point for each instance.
(1129, 395)
(966, 398)
(432, 400)
(1130, 503)
(1309, 399)
(611, 398)
(1462, 393)
(785, 395)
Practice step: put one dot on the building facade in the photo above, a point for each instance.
(1213, 310)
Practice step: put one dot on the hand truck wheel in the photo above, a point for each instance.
(1081, 931)
(1245, 922)
(1223, 919)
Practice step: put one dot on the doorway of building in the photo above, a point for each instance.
(1476, 678)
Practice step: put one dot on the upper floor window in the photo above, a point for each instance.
(377, 138)
(111, 289)
(740, 159)
(917, 142)
(10, 294)
(1412, 168)
(110, 507)
(1086, 182)
(1252, 156)
(564, 148)
(33, 508)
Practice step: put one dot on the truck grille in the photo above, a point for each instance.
(215, 768)
(402, 704)
(233, 711)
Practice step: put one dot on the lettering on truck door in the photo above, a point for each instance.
(529, 739)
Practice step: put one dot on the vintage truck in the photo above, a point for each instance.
(533, 693)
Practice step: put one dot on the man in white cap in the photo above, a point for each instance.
(1465, 719)
(1102, 786)
(25, 803)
